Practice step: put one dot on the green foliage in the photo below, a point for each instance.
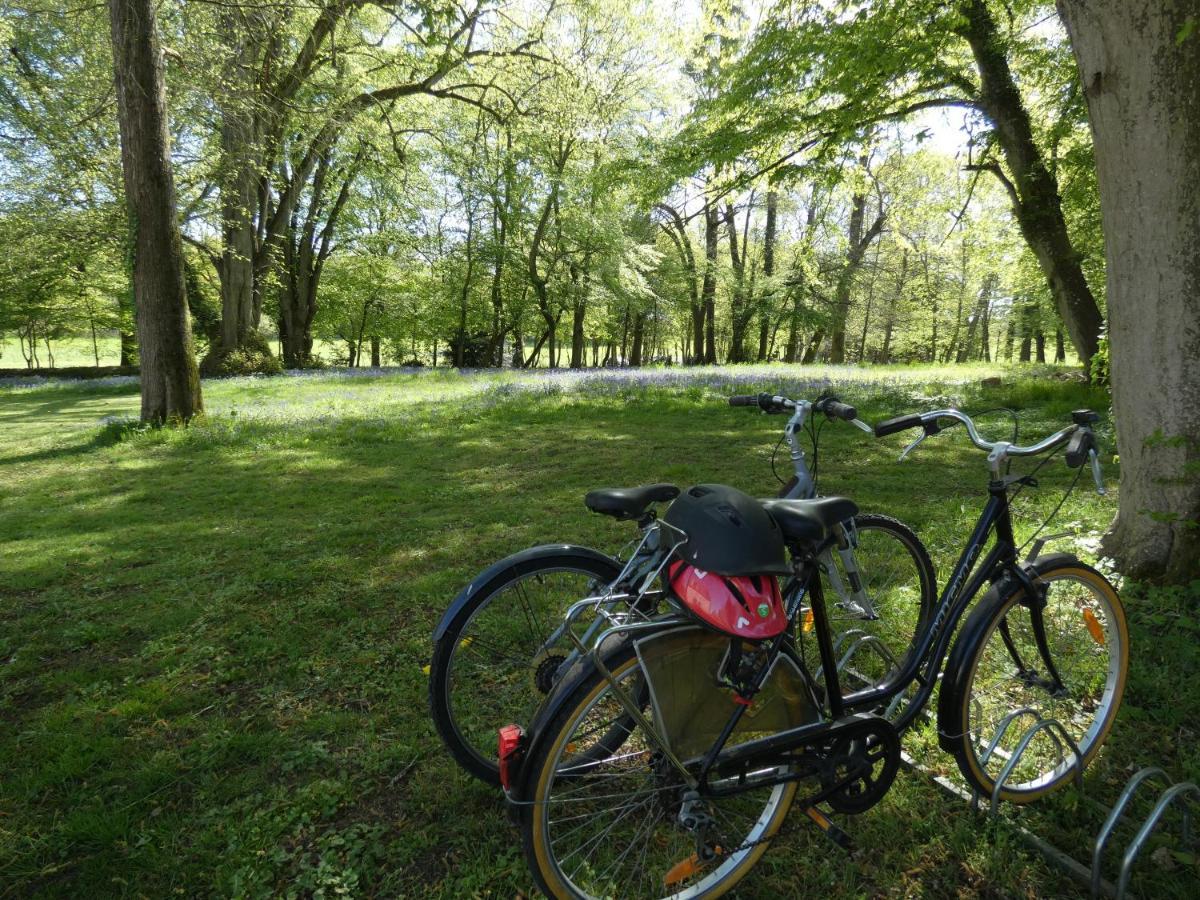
(254, 357)
(1099, 371)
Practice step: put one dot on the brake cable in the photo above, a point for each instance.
(1067, 493)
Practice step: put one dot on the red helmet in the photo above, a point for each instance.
(748, 606)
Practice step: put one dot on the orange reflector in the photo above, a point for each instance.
(808, 620)
(1094, 626)
(684, 869)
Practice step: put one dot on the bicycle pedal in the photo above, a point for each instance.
(829, 829)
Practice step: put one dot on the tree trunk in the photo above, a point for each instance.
(170, 379)
(856, 246)
(765, 335)
(1033, 188)
(739, 316)
(978, 318)
(635, 353)
(1140, 70)
(1060, 348)
(708, 292)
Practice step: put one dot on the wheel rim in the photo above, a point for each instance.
(493, 670)
(1086, 634)
(609, 825)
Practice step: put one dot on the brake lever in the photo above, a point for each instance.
(862, 426)
(911, 447)
(1097, 476)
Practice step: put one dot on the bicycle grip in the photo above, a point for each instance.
(840, 410)
(744, 400)
(900, 423)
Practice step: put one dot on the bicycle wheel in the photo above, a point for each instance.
(999, 685)
(491, 666)
(605, 820)
(899, 580)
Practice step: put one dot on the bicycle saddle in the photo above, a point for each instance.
(808, 521)
(629, 503)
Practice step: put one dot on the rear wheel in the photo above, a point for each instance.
(613, 820)
(491, 666)
(1002, 683)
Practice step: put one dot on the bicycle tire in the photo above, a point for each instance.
(985, 683)
(559, 825)
(468, 713)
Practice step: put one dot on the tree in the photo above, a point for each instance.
(1140, 67)
(816, 77)
(170, 379)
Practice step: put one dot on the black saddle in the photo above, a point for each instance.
(629, 503)
(809, 521)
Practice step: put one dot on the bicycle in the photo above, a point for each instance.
(503, 643)
(668, 761)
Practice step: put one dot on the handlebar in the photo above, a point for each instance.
(773, 403)
(1082, 447)
(930, 422)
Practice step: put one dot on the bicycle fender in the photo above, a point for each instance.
(514, 566)
(968, 639)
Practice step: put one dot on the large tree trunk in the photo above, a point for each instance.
(1033, 188)
(1140, 81)
(170, 379)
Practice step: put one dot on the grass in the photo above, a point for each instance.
(212, 639)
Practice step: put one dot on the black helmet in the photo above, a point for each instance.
(729, 533)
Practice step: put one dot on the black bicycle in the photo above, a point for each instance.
(502, 644)
(666, 763)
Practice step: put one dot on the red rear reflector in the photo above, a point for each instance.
(510, 750)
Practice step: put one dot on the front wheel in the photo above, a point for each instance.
(1003, 678)
(614, 819)
(491, 665)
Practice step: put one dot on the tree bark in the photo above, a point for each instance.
(169, 376)
(856, 247)
(678, 234)
(765, 335)
(708, 292)
(1139, 72)
(1033, 188)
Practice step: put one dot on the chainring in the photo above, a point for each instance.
(865, 764)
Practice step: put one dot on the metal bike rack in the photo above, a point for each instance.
(858, 640)
(1185, 793)
(1048, 725)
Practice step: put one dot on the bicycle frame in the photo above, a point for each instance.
(923, 666)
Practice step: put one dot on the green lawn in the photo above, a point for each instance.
(212, 639)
